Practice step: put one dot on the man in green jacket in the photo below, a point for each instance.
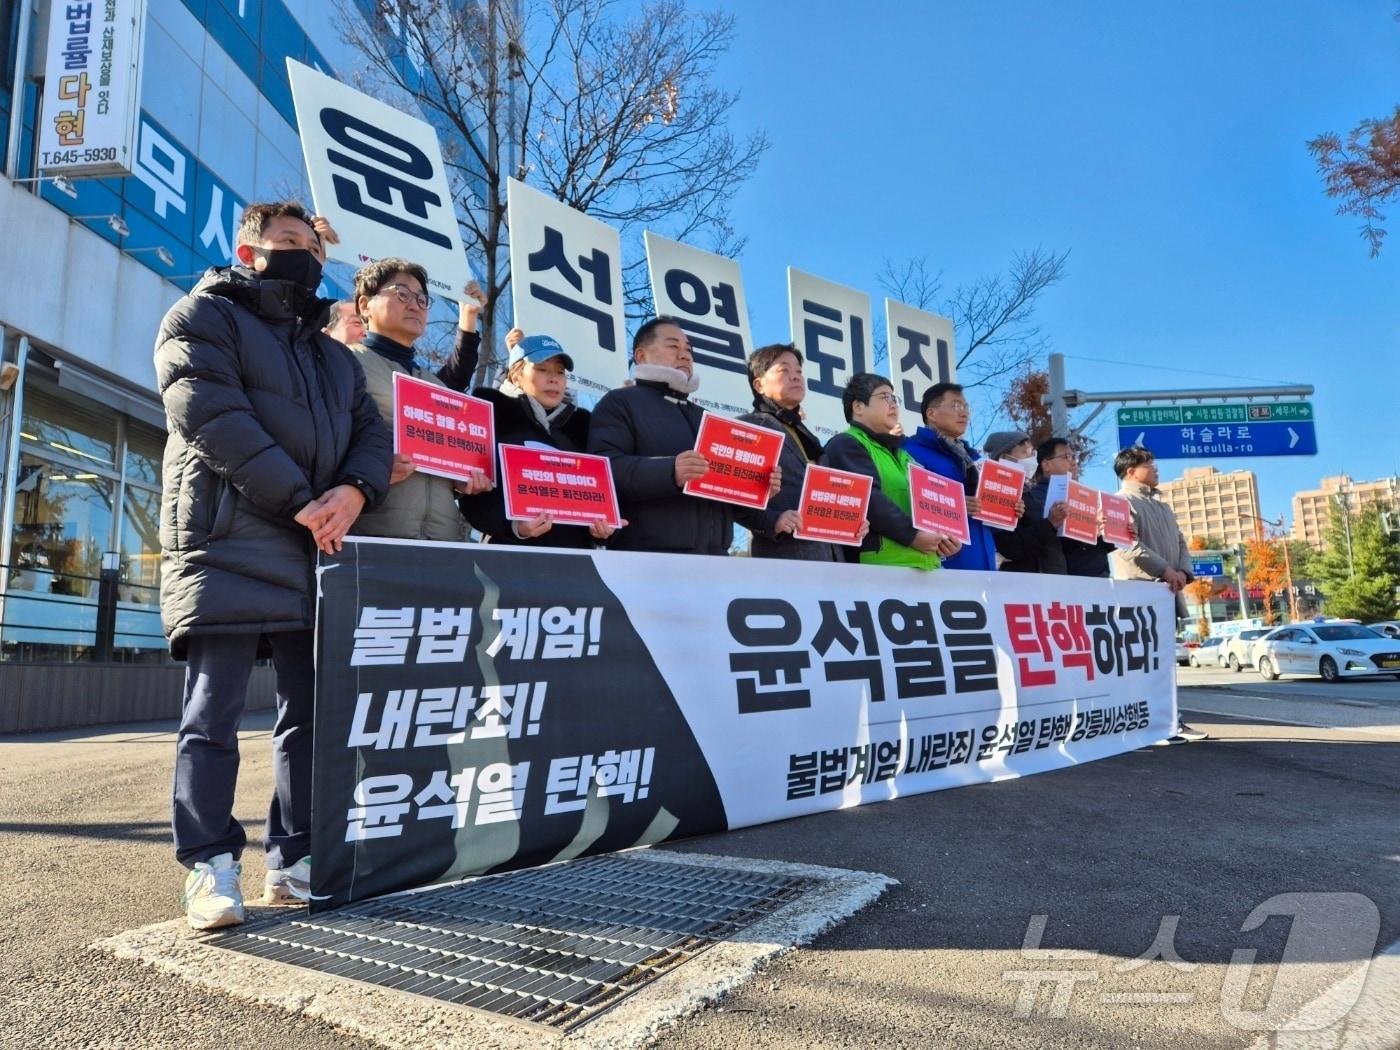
(871, 447)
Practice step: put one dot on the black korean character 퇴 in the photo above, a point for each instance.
(767, 666)
(969, 645)
(918, 662)
(552, 257)
(829, 365)
(836, 630)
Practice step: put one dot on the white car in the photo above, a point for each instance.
(1386, 628)
(1238, 651)
(1208, 653)
(1332, 650)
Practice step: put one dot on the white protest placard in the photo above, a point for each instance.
(566, 282)
(705, 293)
(831, 326)
(92, 87)
(921, 354)
(377, 174)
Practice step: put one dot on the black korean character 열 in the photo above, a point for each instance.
(969, 645)
(746, 620)
(719, 347)
(822, 322)
(918, 662)
(838, 630)
(552, 256)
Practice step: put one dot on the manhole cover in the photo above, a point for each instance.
(553, 946)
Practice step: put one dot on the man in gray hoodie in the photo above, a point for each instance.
(1160, 551)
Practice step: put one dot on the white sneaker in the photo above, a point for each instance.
(288, 886)
(212, 896)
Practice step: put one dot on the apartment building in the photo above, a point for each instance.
(1209, 503)
(1312, 509)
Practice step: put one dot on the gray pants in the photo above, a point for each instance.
(206, 752)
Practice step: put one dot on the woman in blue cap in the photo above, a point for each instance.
(531, 409)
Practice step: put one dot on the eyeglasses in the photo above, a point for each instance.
(407, 295)
(957, 406)
(885, 396)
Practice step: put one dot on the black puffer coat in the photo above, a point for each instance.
(800, 447)
(516, 425)
(264, 413)
(642, 429)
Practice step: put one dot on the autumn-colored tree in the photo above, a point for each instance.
(1362, 172)
(1024, 403)
(1200, 591)
(1266, 569)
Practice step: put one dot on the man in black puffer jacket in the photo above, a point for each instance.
(274, 448)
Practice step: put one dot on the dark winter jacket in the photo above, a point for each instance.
(1081, 559)
(1034, 545)
(800, 447)
(517, 424)
(887, 519)
(265, 413)
(642, 429)
(934, 452)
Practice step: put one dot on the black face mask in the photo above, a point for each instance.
(297, 265)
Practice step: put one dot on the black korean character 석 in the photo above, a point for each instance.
(551, 256)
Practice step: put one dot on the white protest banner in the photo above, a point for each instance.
(921, 354)
(566, 282)
(831, 326)
(461, 726)
(377, 174)
(705, 293)
(92, 87)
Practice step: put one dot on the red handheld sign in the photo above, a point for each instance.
(576, 489)
(833, 505)
(442, 431)
(1117, 518)
(998, 491)
(939, 504)
(741, 457)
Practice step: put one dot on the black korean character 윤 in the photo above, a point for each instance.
(824, 322)
(715, 345)
(837, 629)
(380, 803)
(969, 645)
(749, 621)
(551, 256)
(918, 662)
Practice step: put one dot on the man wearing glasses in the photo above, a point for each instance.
(1056, 456)
(938, 446)
(391, 297)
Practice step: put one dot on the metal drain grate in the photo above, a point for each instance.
(553, 946)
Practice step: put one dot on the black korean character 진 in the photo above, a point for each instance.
(750, 625)
(839, 629)
(912, 347)
(551, 256)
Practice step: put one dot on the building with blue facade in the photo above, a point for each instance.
(87, 269)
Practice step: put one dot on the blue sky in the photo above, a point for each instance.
(1163, 145)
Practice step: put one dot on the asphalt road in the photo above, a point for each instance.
(1168, 845)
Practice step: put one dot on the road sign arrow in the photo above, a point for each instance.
(1292, 437)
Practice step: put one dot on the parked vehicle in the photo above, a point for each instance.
(1331, 650)
(1183, 651)
(1237, 655)
(1387, 628)
(1208, 653)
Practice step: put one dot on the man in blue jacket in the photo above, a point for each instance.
(938, 446)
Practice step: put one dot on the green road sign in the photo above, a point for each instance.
(1261, 412)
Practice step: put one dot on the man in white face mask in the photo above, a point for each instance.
(1033, 546)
